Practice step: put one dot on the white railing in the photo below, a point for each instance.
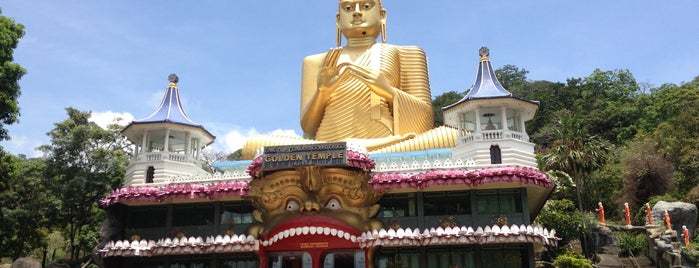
(493, 135)
(157, 156)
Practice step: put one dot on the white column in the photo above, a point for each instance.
(187, 144)
(144, 144)
(503, 110)
(462, 125)
(195, 143)
(478, 119)
(521, 123)
(166, 143)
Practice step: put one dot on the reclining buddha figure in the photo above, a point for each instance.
(370, 93)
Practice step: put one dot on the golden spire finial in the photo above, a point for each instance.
(484, 52)
(173, 80)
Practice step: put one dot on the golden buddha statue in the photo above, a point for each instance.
(370, 93)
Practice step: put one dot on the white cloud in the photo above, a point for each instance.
(24, 145)
(234, 139)
(103, 119)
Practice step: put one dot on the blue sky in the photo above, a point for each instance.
(239, 62)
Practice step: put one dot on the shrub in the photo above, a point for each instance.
(636, 243)
(562, 216)
(572, 260)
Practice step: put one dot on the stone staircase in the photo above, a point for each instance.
(607, 251)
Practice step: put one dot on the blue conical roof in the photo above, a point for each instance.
(486, 85)
(170, 109)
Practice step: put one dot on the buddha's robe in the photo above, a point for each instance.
(354, 111)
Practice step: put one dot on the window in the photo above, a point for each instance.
(448, 257)
(150, 174)
(509, 256)
(397, 205)
(499, 201)
(146, 217)
(238, 260)
(447, 203)
(193, 215)
(235, 216)
(403, 257)
(495, 155)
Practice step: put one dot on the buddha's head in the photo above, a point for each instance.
(361, 18)
(337, 198)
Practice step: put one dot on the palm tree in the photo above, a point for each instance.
(575, 152)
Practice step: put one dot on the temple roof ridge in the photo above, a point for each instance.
(486, 84)
(170, 108)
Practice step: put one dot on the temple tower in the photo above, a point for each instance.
(167, 143)
(490, 122)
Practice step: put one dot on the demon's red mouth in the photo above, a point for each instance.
(311, 226)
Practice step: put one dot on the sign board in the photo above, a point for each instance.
(317, 154)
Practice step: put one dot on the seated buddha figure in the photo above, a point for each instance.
(370, 93)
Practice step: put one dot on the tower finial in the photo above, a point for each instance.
(173, 80)
(484, 52)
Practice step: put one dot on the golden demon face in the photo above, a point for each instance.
(334, 199)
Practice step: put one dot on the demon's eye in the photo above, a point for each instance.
(333, 204)
(292, 205)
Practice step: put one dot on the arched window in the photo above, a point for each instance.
(150, 174)
(495, 156)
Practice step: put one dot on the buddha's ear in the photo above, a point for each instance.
(338, 37)
(257, 215)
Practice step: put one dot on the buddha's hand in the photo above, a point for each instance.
(329, 76)
(376, 81)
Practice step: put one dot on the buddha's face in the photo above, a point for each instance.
(360, 18)
(337, 198)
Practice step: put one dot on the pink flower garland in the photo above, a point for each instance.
(175, 191)
(434, 177)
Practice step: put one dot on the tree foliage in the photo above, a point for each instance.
(441, 101)
(646, 171)
(23, 205)
(10, 73)
(575, 151)
(560, 215)
(84, 162)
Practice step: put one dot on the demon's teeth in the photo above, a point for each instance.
(333, 232)
(299, 230)
(312, 230)
(340, 233)
(326, 231)
(354, 239)
(305, 230)
(347, 236)
(286, 233)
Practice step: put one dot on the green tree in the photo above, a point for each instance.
(676, 121)
(23, 204)
(10, 73)
(560, 216)
(575, 151)
(511, 77)
(441, 101)
(646, 172)
(606, 103)
(84, 161)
